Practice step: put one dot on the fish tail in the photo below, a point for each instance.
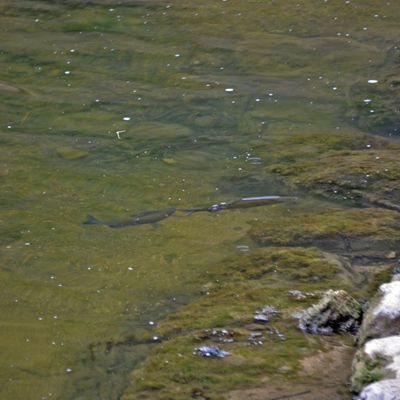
(90, 220)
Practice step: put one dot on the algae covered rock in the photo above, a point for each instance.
(388, 389)
(383, 317)
(336, 312)
(366, 177)
(355, 231)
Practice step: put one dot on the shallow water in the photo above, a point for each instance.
(115, 107)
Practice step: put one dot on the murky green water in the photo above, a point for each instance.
(115, 107)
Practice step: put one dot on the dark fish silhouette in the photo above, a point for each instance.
(150, 217)
(145, 217)
(245, 202)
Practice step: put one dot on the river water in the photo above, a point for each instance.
(112, 108)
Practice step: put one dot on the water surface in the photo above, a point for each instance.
(116, 107)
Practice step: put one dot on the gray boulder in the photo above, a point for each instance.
(336, 312)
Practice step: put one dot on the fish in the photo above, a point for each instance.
(145, 217)
(244, 202)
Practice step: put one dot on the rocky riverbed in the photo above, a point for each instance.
(301, 260)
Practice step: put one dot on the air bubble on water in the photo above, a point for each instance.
(372, 81)
(229, 90)
(126, 118)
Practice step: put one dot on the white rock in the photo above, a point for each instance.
(388, 389)
(388, 347)
(389, 305)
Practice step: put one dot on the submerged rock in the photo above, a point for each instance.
(360, 233)
(366, 177)
(71, 153)
(336, 312)
(388, 389)
(219, 335)
(207, 351)
(265, 314)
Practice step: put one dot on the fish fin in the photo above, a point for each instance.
(91, 220)
(156, 225)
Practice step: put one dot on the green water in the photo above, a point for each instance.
(111, 108)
